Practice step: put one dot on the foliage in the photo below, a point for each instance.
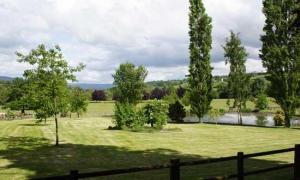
(238, 80)
(9, 115)
(261, 102)
(146, 95)
(180, 92)
(279, 118)
(200, 77)
(222, 89)
(176, 112)
(280, 52)
(156, 113)
(48, 79)
(258, 86)
(78, 101)
(99, 95)
(186, 99)
(124, 115)
(214, 114)
(4, 92)
(19, 95)
(158, 93)
(129, 83)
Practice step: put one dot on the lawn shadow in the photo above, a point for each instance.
(41, 159)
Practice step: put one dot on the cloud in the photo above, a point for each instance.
(103, 34)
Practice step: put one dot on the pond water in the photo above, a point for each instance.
(257, 119)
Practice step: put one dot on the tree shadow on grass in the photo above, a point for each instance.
(28, 157)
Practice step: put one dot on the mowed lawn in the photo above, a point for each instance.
(26, 148)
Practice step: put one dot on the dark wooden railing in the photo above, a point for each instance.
(175, 164)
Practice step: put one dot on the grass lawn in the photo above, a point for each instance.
(26, 148)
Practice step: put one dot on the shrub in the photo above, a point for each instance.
(261, 102)
(246, 110)
(176, 112)
(9, 115)
(222, 111)
(156, 113)
(139, 120)
(278, 118)
(124, 115)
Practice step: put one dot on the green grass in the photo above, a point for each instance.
(26, 148)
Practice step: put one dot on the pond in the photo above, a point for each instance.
(257, 119)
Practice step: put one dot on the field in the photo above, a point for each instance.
(26, 148)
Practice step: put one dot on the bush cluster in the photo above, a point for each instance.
(176, 112)
(278, 118)
(128, 116)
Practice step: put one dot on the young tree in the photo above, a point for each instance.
(280, 52)
(129, 82)
(49, 75)
(238, 80)
(78, 101)
(200, 77)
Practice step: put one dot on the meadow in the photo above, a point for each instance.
(27, 149)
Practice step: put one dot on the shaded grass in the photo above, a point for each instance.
(26, 149)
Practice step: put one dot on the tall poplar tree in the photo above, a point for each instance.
(280, 52)
(238, 80)
(200, 77)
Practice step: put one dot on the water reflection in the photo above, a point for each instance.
(261, 120)
(248, 119)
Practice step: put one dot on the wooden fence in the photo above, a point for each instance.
(175, 164)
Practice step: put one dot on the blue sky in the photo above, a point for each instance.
(104, 33)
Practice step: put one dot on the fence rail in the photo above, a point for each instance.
(175, 164)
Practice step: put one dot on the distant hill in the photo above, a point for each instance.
(92, 86)
(6, 78)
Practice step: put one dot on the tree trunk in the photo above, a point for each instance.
(45, 120)
(77, 115)
(287, 120)
(56, 130)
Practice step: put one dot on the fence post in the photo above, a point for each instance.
(240, 165)
(74, 175)
(297, 162)
(175, 169)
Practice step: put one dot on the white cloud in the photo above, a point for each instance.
(103, 34)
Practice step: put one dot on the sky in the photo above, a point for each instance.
(104, 33)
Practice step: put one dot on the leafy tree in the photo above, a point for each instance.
(200, 77)
(158, 93)
(19, 95)
(78, 101)
(180, 92)
(280, 52)
(176, 112)
(48, 76)
(99, 95)
(258, 86)
(214, 114)
(222, 89)
(261, 101)
(129, 82)
(4, 92)
(156, 113)
(238, 80)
